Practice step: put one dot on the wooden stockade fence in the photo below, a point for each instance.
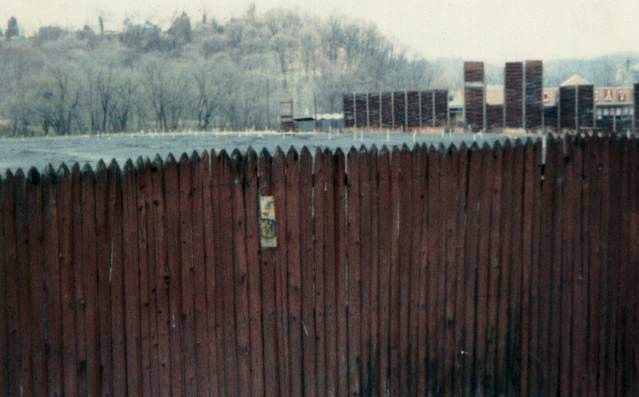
(431, 271)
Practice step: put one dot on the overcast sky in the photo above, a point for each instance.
(491, 30)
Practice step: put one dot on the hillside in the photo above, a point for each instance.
(205, 74)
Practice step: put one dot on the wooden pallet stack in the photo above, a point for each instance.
(428, 108)
(413, 109)
(361, 110)
(568, 108)
(474, 95)
(399, 110)
(374, 110)
(514, 94)
(534, 94)
(585, 106)
(387, 110)
(440, 108)
(551, 118)
(494, 117)
(348, 107)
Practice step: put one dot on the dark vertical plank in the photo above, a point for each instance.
(254, 274)
(79, 281)
(365, 269)
(12, 294)
(306, 224)
(384, 243)
(131, 281)
(474, 205)
(494, 270)
(103, 226)
(579, 274)
(69, 308)
(293, 218)
(554, 267)
(162, 276)
(173, 236)
(227, 275)
(404, 266)
(489, 170)
(185, 257)
(23, 337)
(281, 279)
(421, 323)
(461, 290)
(503, 266)
(514, 341)
(89, 260)
(340, 274)
(240, 274)
(374, 356)
(200, 275)
(354, 273)
(330, 265)
(4, 345)
(434, 250)
(146, 275)
(210, 262)
(321, 185)
(395, 272)
(269, 313)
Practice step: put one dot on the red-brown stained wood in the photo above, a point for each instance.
(363, 197)
(147, 279)
(79, 281)
(227, 275)
(373, 374)
(162, 277)
(131, 281)
(340, 274)
(186, 311)
(514, 342)
(209, 202)
(580, 275)
(12, 293)
(393, 233)
(554, 324)
(434, 270)
(281, 279)
(330, 276)
(460, 273)
(89, 260)
(321, 181)
(4, 352)
(384, 232)
(470, 273)
(174, 282)
(254, 275)
(422, 377)
(240, 275)
(494, 271)
(354, 276)
(69, 307)
(504, 330)
(269, 313)
(103, 251)
(294, 298)
(306, 222)
(416, 283)
(405, 229)
(488, 167)
(200, 276)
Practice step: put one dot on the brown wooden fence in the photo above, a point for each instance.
(431, 271)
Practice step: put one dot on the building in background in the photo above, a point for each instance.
(614, 109)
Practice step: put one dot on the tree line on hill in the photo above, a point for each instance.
(193, 75)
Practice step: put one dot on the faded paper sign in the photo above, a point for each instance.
(268, 224)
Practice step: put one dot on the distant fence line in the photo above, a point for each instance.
(431, 271)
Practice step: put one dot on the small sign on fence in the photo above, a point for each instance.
(268, 224)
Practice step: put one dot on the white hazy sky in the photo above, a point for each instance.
(491, 30)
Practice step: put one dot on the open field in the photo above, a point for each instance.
(38, 152)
